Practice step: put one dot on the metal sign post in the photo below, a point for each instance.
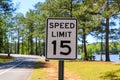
(61, 70)
(61, 41)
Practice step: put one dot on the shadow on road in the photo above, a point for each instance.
(41, 64)
(20, 63)
(24, 62)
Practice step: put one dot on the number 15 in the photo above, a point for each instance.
(63, 44)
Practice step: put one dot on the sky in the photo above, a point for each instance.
(25, 5)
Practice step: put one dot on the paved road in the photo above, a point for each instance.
(18, 69)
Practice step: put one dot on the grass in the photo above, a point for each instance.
(4, 59)
(85, 70)
(38, 73)
(94, 70)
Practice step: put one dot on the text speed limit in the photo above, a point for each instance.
(61, 38)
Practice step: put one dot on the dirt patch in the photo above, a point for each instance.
(52, 71)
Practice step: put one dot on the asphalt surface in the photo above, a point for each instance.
(18, 69)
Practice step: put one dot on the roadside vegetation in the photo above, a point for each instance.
(94, 70)
(114, 47)
(4, 59)
(99, 48)
(38, 72)
(85, 70)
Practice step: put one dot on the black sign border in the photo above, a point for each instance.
(47, 39)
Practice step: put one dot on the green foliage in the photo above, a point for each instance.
(4, 59)
(96, 48)
(25, 34)
(6, 6)
(93, 48)
(82, 55)
(1, 33)
(114, 47)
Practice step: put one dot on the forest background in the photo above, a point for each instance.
(25, 33)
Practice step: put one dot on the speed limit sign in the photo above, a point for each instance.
(61, 38)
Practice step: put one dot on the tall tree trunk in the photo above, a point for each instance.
(43, 48)
(39, 49)
(15, 48)
(84, 46)
(18, 46)
(36, 50)
(22, 46)
(31, 30)
(31, 46)
(11, 47)
(101, 48)
(8, 48)
(107, 40)
(28, 46)
(1, 40)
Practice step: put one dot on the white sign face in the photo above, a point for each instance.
(61, 38)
